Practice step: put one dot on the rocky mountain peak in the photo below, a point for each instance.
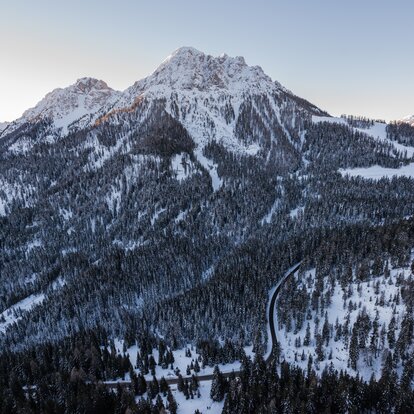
(87, 84)
(64, 106)
(189, 69)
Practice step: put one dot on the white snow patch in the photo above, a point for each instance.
(3, 126)
(181, 361)
(131, 244)
(65, 214)
(202, 404)
(24, 305)
(156, 215)
(207, 274)
(253, 149)
(377, 172)
(182, 166)
(181, 215)
(21, 146)
(268, 217)
(296, 212)
(33, 244)
(378, 131)
(211, 168)
(18, 190)
(330, 119)
(69, 250)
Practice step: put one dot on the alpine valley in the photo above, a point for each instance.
(144, 233)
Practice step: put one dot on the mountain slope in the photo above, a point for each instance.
(205, 179)
(211, 97)
(71, 107)
(3, 126)
(408, 119)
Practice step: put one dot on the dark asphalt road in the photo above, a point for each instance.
(270, 316)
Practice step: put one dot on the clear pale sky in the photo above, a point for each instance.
(353, 57)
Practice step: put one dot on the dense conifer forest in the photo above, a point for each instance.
(161, 222)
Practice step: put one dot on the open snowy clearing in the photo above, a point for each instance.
(26, 304)
(377, 172)
(377, 131)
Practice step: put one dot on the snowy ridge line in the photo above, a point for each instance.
(270, 310)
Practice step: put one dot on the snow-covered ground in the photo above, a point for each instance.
(182, 166)
(409, 119)
(377, 172)
(18, 190)
(11, 314)
(181, 361)
(268, 217)
(378, 131)
(3, 126)
(203, 403)
(296, 212)
(377, 301)
(211, 168)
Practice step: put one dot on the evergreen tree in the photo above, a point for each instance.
(217, 385)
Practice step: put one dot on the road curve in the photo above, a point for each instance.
(271, 321)
(271, 310)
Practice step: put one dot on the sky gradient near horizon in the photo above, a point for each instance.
(346, 57)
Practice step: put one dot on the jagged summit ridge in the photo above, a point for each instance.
(207, 94)
(189, 69)
(212, 97)
(186, 69)
(66, 106)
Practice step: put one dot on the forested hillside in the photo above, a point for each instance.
(161, 216)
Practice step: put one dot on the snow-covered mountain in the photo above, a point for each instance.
(73, 106)
(145, 228)
(408, 119)
(130, 211)
(3, 126)
(189, 70)
(209, 96)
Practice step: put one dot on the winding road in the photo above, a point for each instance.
(269, 355)
(271, 309)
